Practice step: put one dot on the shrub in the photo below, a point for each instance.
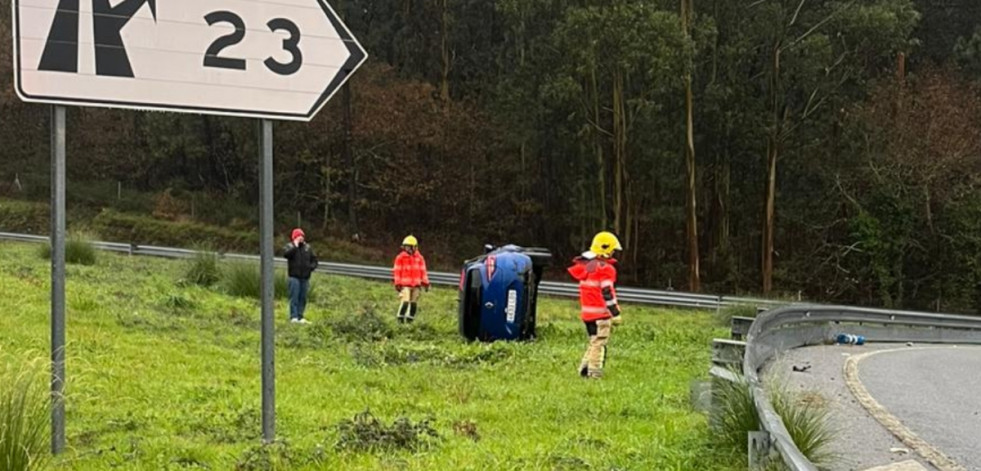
(367, 326)
(24, 414)
(203, 268)
(78, 249)
(167, 206)
(365, 433)
(22, 216)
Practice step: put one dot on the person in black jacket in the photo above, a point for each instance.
(302, 262)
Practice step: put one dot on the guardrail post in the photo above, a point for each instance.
(721, 379)
(740, 326)
(700, 395)
(759, 450)
(728, 353)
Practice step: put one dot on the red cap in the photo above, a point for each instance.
(297, 233)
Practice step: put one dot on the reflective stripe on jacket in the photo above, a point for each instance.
(597, 293)
(410, 270)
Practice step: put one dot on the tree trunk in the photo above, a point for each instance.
(694, 278)
(769, 217)
(772, 154)
(724, 189)
(444, 90)
(349, 160)
(619, 152)
(326, 172)
(584, 207)
(598, 151)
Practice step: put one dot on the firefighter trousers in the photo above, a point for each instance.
(595, 356)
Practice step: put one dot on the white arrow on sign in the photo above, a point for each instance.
(276, 59)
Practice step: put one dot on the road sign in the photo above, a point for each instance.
(275, 59)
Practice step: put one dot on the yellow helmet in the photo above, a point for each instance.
(604, 244)
(410, 241)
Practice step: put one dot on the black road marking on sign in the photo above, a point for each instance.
(108, 22)
(61, 50)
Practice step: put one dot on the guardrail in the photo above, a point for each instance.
(548, 288)
(789, 327)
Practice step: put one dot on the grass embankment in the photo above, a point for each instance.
(112, 225)
(164, 374)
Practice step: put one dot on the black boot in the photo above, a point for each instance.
(403, 311)
(413, 307)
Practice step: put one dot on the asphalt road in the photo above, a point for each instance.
(935, 392)
(860, 442)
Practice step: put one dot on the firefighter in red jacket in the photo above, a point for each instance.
(410, 278)
(597, 274)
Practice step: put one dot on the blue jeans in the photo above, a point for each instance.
(297, 291)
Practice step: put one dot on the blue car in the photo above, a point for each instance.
(499, 291)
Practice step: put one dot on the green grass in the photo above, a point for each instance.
(167, 376)
(24, 415)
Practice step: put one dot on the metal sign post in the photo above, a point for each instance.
(267, 269)
(57, 279)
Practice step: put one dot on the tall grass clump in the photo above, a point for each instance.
(203, 269)
(366, 433)
(244, 280)
(807, 422)
(78, 249)
(724, 316)
(736, 412)
(24, 413)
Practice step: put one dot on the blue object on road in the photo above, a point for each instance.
(499, 293)
(850, 339)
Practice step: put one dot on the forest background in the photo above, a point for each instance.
(827, 149)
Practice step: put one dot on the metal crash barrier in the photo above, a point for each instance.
(547, 288)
